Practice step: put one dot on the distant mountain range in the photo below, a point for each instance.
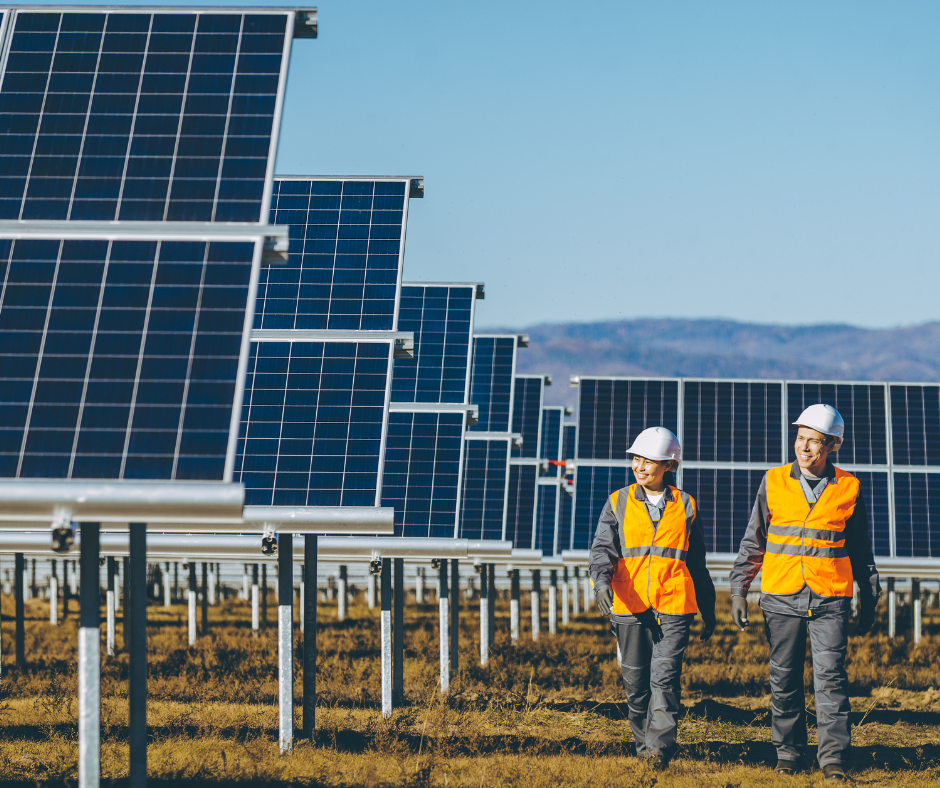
(726, 349)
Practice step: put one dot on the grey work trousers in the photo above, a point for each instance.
(652, 674)
(828, 635)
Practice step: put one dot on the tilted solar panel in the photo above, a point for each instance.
(546, 517)
(441, 317)
(612, 412)
(569, 443)
(313, 421)
(491, 381)
(550, 442)
(565, 514)
(520, 504)
(862, 406)
(346, 250)
(527, 414)
(917, 525)
(138, 114)
(119, 355)
(725, 498)
(593, 486)
(732, 421)
(915, 424)
(483, 496)
(421, 478)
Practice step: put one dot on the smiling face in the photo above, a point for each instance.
(649, 473)
(812, 448)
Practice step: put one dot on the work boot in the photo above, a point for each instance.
(834, 772)
(658, 761)
(787, 766)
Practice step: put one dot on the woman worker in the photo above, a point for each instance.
(648, 569)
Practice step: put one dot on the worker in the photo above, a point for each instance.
(648, 569)
(809, 532)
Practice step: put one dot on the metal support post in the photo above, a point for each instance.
(514, 604)
(535, 599)
(342, 594)
(73, 584)
(176, 580)
(18, 601)
(125, 573)
(212, 585)
(484, 614)
(564, 597)
(110, 625)
(245, 583)
(575, 593)
(285, 641)
(135, 619)
(65, 590)
(33, 590)
(191, 607)
(419, 585)
(553, 602)
(398, 633)
(310, 635)
(892, 608)
(916, 608)
(54, 595)
(89, 663)
(264, 596)
(386, 634)
(491, 598)
(443, 600)
(167, 599)
(588, 595)
(454, 615)
(255, 620)
(370, 591)
(204, 601)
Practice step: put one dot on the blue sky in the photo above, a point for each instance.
(768, 162)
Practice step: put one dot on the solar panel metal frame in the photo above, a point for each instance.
(488, 436)
(538, 429)
(289, 12)
(512, 384)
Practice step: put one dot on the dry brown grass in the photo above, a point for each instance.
(547, 713)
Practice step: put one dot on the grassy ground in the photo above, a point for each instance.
(547, 713)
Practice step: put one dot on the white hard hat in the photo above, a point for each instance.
(656, 443)
(825, 419)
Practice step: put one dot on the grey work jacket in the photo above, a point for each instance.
(607, 550)
(857, 544)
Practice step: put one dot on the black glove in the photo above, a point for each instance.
(604, 595)
(866, 618)
(739, 612)
(709, 629)
(648, 619)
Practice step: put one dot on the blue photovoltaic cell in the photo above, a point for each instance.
(874, 488)
(593, 486)
(344, 259)
(569, 442)
(527, 414)
(724, 498)
(550, 442)
(311, 425)
(138, 115)
(729, 421)
(545, 518)
(421, 472)
(915, 424)
(491, 381)
(484, 489)
(440, 319)
(520, 504)
(862, 407)
(119, 359)
(565, 510)
(917, 521)
(611, 413)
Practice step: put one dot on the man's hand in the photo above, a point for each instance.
(739, 612)
(648, 619)
(866, 618)
(604, 596)
(709, 628)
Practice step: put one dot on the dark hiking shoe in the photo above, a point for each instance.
(834, 772)
(787, 766)
(658, 761)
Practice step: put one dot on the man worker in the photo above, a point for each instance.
(809, 532)
(648, 569)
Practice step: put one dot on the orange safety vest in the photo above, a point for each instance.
(652, 572)
(807, 545)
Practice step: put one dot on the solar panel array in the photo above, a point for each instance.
(732, 431)
(316, 414)
(551, 482)
(427, 425)
(122, 350)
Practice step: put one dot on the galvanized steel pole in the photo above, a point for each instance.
(535, 601)
(454, 616)
(20, 637)
(491, 607)
(442, 605)
(54, 595)
(484, 614)
(553, 602)
(564, 597)
(255, 618)
(264, 596)
(135, 619)
(398, 633)
(285, 641)
(191, 603)
(342, 597)
(204, 602)
(386, 636)
(110, 624)
(892, 608)
(310, 635)
(167, 600)
(514, 604)
(89, 663)
(916, 608)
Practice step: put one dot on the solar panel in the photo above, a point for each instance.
(915, 424)
(593, 485)
(732, 421)
(483, 497)
(613, 411)
(546, 516)
(527, 414)
(520, 504)
(491, 381)
(141, 114)
(441, 317)
(313, 421)
(346, 251)
(725, 498)
(421, 478)
(565, 514)
(570, 441)
(119, 355)
(862, 406)
(917, 527)
(550, 442)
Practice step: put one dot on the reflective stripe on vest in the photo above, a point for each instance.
(807, 544)
(652, 571)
